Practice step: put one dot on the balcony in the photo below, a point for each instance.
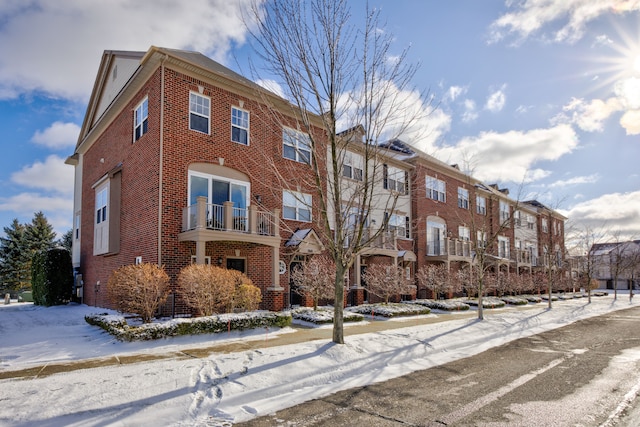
(524, 258)
(450, 249)
(385, 243)
(206, 222)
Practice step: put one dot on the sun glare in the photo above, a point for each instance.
(636, 64)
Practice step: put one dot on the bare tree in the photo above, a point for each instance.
(386, 281)
(583, 241)
(315, 279)
(438, 279)
(335, 75)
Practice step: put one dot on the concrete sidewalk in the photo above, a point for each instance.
(300, 334)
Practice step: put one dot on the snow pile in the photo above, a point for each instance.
(224, 388)
(389, 310)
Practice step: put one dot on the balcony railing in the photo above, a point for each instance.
(384, 240)
(450, 247)
(228, 218)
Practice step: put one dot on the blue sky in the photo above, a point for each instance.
(540, 96)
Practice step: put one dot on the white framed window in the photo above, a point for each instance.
(517, 218)
(296, 206)
(481, 205)
(395, 179)
(531, 222)
(481, 239)
(504, 211)
(352, 166)
(76, 227)
(503, 247)
(141, 119)
(218, 190)
(436, 232)
(400, 224)
(101, 220)
(199, 112)
(239, 126)
(436, 189)
(296, 145)
(464, 233)
(463, 198)
(545, 225)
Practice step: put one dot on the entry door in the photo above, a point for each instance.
(294, 296)
(236, 264)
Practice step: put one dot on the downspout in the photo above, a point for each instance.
(160, 165)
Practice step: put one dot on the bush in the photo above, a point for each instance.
(138, 289)
(210, 290)
(52, 277)
(118, 327)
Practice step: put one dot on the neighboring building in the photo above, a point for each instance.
(616, 265)
(180, 160)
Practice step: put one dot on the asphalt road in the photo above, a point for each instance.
(583, 374)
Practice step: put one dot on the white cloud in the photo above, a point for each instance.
(61, 58)
(272, 86)
(52, 175)
(577, 180)
(616, 211)
(588, 116)
(454, 92)
(511, 156)
(531, 16)
(470, 113)
(496, 100)
(630, 121)
(628, 91)
(58, 136)
(602, 40)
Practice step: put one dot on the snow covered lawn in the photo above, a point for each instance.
(224, 388)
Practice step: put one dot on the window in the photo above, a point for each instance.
(517, 217)
(436, 189)
(217, 190)
(464, 233)
(199, 111)
(296, 206)
(531, 221)
(395, 179)
(463, 198)
(141, 119)
(436, 231)
(106, 220)
(76, 227)
(504, 211)
(296, 145)
(545, 225)
(399, 224)
(481, 205)
(239, 126)
(503, 247)
(481, 239)
(352, 166)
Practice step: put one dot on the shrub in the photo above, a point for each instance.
(138, 289)
(246, 297)
(210, 290)
(52, 277)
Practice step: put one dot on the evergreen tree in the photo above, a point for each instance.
(15, 257)
(40, 235)
(66, 240)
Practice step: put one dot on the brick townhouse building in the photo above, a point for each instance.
(181, 160)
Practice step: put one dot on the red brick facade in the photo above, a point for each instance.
(153, 181)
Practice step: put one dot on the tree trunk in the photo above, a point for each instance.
(338, 318)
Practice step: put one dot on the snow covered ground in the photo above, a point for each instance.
(232, 387)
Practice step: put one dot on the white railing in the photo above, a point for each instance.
(228, 218)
